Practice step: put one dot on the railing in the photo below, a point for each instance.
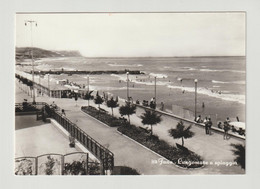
(29, 82)
(76, 163)
(102, 153)
(105, 156)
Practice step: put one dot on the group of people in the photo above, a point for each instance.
(226, 127)
(55, 107)
(208, 124)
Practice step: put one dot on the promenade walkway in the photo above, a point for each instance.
(129, 153)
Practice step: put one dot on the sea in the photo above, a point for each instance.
(221, 82)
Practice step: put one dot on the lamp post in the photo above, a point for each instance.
(195, 81)
(40, 84)
(49, 84)
(155, 92)
(88, 83)
(31, 23)
(127, 87)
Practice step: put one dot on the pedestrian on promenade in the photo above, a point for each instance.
(198, 119)
(209, 126)
(228, 120)
(220, 125)
(162, 106)
(63, 112)
(206, 125)
(226, 129)
(53, 105)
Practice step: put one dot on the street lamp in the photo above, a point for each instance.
(88, 83)
(32, 22)
(40, 83)
(155, 91)
(127, 87)
(195, 81)
(49, 84)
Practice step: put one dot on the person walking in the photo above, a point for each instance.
(226, 128)
(206, 125)
(209, 126)
(63, 113)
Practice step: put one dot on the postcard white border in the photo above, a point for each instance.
(7, 33)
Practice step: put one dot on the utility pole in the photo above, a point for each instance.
(49, 92)
(88, 84)
(155, 91)
(196, 81)
(39, 84)
(31, 23)
(127, 87)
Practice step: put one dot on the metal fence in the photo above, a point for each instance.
(105, 156)
(76, 163)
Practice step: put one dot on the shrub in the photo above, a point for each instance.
(103, 116)
(124, 170)
(161, 147)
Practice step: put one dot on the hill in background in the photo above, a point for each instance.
(25, 52)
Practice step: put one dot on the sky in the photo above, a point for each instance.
(136, 34)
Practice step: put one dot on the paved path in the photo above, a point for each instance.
(127, 152)
(38, 140)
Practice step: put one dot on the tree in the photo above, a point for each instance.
(240, 153)
(150, 118)
(88, 96)
(112, 104)
(181, 132)
(127, 109)
(98, 100)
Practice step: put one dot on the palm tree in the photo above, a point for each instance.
(112, 104)
(98, 100)
(150, 118)
(128, 109)
(181, 132)
(240, 153)
(88, 96)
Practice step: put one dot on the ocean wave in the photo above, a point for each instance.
(224, 96)
(124, 65)
(234, 82)
(141, 81)
(166, 67)
(209, 70)
(161, 76)
(68, 69)
(212, 70)
(189, 68)
(120, 77)
(214, 81)
(50, 59)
